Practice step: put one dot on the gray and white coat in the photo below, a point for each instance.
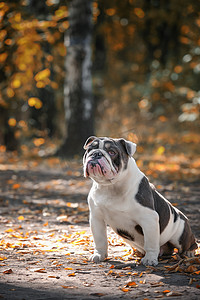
(122, 197)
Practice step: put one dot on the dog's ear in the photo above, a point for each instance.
(89, 141)
(130, 147)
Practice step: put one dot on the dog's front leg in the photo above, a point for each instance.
(98, 228)
(151, 230)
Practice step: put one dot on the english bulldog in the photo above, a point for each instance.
(122, 197)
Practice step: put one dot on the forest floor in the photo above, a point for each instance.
(45, 239)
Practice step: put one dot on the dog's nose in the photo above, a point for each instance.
(97, 154)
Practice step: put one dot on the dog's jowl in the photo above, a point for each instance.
(122, 197)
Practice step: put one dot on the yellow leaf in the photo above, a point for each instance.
(61, 12)
(9, 230)
(71, 275)
(10, 92)
(40, 84)
(3, 57)
(3, 258)
(160, 150)
(21, 218)
(65, 24)
(35, 102)
(42, 75)
(12, 122)
(16, 83)
(139, 12)
(17, 18)
(38, 142)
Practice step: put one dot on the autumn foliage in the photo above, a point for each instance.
(145, 76)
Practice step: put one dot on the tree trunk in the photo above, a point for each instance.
(78, 98)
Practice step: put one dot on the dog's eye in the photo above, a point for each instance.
(111, 152)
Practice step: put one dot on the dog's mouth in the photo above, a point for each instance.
(99, 168)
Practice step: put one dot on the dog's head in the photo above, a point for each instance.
(106, 158)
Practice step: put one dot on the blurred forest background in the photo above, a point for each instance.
(130, 68)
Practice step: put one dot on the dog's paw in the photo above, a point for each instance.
(149, 260)
(97, 257)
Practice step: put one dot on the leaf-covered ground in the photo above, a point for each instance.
(45, 239)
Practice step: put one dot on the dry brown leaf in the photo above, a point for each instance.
(9, 271)
(42, 270)
(191, 269)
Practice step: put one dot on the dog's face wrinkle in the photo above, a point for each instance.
(93, 145)
(116, 158)
(108, 146)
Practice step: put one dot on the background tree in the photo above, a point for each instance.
(78, 98)
(145, 71)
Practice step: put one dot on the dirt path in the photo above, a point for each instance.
(45, 241)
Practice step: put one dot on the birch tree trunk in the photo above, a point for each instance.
(78, 98)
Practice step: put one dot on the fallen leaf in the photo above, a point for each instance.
(9, 271)
(71, 275)
(3, 258)
(125, 290)
(20, 218)
(191, 269)
(16, 186)
(68, 287)
(9, 230)
(42, 270)
(132, 284)
(166, 291)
